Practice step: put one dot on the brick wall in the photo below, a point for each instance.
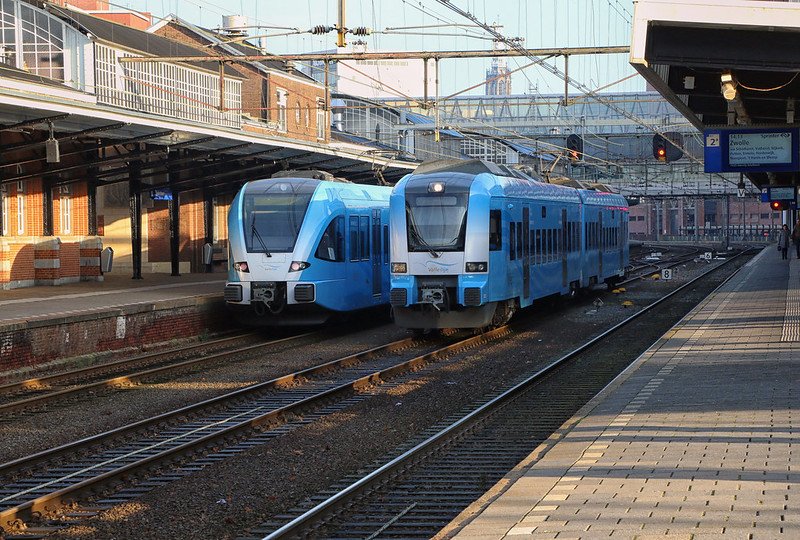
(34, 342)
(89, 253)
(29, 261)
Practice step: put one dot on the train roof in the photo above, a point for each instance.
(500, 180)
(602, 198)
(348, 192)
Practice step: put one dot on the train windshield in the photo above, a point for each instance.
(437, 221)
(273, 214)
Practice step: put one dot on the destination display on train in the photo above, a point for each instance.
(745, 149)
(759, 148)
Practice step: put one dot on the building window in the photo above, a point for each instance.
(65, 213)
(281, 101)
(308, 116)
(35, 41)
(20, 213)
(4, 209)
(320, 120)
(297, 114)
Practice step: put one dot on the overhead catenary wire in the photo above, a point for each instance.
(512, 132)
(572, 82)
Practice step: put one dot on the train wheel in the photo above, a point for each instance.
(503, 312)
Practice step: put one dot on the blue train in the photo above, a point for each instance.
(305, 246)
(473, 242)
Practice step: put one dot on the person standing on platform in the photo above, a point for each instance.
(796, 237)
(783, 241)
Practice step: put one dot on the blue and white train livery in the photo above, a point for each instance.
(473, 242)
(303, 249)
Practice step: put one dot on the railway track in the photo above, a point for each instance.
(419, 492)
(640, 271)
(35, 393)
(45, 482)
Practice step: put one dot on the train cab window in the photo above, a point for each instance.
(331, 245)
(512, 240)
(495, 231)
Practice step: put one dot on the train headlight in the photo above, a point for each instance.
(241, 267)
(436, 187)
(296, 266)
(473, 267)
(399, 268)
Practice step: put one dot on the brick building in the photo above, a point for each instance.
(102, 153)
(276, 98)
(746, 219)
(102, 9)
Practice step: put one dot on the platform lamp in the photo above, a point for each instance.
(728, 86)
(52, 152)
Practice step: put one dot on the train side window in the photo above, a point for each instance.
(569, 237)
(544, 211)
(354, 243)
(364, 238)
(331, 245)
(385, 244)
(539, 246)
(519, 240)
(512, 241)
(559, 243)
(495, 231)
(532, 244)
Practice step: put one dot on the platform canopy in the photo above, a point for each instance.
(723, 62)
(102, 141)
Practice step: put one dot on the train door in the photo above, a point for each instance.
(563, 246)
(377, 254)
(620, 231)
(600, 245)
(526, 251)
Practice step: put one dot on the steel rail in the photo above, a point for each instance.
(28, 462)
(36, 383)
(11, 515)
(328, 507)
(117, 381)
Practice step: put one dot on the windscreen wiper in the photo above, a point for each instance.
(422, 243)
(257, 235)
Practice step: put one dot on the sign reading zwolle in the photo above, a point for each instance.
(759, 148)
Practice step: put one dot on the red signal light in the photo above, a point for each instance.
(778, 205)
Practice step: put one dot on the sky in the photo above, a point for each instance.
(541, 23)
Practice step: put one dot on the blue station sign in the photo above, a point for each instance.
(752, 150)
(161, 194)
(787, 194)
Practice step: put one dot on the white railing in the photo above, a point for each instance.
(165, 89)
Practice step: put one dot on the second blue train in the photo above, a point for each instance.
(473, 242)
(304, 247)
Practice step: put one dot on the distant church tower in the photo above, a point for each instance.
(498, 78)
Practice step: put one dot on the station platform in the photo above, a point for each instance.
(43, 324)
(696, 439)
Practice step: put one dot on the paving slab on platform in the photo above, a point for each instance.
(695, 440)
